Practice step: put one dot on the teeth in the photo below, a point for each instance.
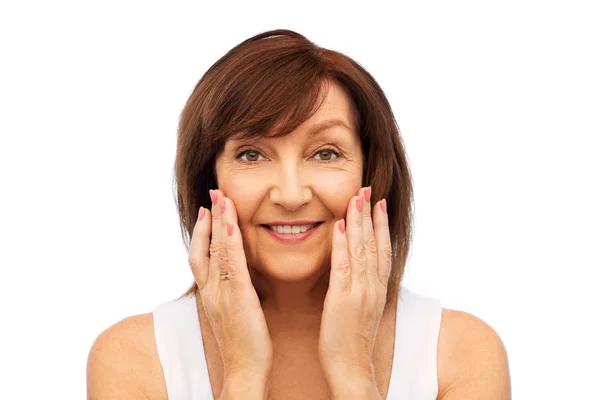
(291, 229)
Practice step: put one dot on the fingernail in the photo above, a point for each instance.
(229, 229)
(342, 226)
(222, 204)
(367, 194)
(201, 213)
(383, 206)
(359, 204)
(213, 196)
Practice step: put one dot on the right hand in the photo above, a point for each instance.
(232, 306)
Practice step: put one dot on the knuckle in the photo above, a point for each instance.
(358, 253)
(223, 254)
(232, 272)
(386, 254)
(214, 249)
(371, 246)
(344, 266)
(225, 272)
(194, 262)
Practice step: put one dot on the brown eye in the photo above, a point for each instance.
(327, 155)
(251, 155)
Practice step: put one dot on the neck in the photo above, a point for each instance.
(291, 298)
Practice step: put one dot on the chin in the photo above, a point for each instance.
(290, 269)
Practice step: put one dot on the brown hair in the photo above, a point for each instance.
(268, 85)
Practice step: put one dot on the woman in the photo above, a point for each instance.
(293, 184)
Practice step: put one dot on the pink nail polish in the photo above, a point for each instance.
(367, 194)
(213, 196)
(229, 229)
(222, 204)
(383, 206)
(342, 226)
(359, 204)
(201, 213)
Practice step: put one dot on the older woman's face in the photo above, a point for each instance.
(302, 178)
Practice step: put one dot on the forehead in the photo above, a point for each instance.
(337, 105)
(336, 112)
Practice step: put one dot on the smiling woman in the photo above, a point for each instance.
(295, 203)
(271, 85)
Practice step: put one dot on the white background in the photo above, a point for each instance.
(498, 104)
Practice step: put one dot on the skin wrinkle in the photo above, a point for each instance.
(288, 181)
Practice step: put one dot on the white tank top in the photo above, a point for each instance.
(414, 367)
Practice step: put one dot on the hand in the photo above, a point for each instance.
(228, 297)
(355, 300)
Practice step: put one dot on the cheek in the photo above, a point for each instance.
(336, 191)
(333, 188)
(246, 196)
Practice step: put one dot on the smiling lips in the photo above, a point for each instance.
(292, 228)
(292, 233)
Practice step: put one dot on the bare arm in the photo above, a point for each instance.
(121, 364)
(477, 359)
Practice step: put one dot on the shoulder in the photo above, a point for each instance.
(472, 359)
(123, 362)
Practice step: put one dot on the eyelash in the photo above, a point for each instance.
(331, 150)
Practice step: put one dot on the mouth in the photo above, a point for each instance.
(292, 233)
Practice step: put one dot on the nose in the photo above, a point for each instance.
(291, 189)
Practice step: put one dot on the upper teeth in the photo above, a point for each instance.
(291, 229)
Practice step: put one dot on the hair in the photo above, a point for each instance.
(267, 86)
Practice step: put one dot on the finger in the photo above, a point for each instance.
(340, 279)
(230, 212)
(238, 267)
(228, 217)
(354, 236)
(236, 259)
(198, 254)
(218, 251)
(384, 243)
(368, 237)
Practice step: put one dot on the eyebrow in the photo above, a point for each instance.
(321, 126)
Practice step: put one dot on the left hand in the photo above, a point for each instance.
(355, 300)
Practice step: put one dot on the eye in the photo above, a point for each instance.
(327, 154)
(252, 155)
